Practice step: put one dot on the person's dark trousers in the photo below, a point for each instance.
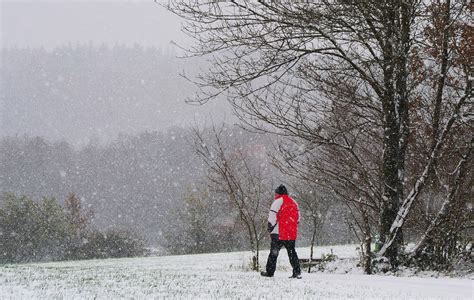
(275, 247)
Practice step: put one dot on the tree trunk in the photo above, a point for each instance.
(391, 196)
(257, 255)
(313, 239)
(367, 241)
(396, 123)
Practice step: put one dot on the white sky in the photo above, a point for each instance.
(49, 24)
(54, 23)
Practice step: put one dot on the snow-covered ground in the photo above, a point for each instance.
(210, 276)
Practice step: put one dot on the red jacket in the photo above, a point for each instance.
(283, 218)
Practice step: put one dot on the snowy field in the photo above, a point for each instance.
(210, 276)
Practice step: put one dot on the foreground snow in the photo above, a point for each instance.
(222, 275)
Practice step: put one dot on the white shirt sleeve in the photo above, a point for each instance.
(274, 209)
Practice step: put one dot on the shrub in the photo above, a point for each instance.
(113, 243)
(32, 231)
(43, 231)
(326, 257)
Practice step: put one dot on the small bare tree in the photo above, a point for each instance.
(237, 171)
(80, 219)
(314, 205)
(201, 220)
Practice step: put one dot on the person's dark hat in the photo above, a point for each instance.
(281, 190)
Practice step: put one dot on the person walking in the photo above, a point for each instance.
(283, 226)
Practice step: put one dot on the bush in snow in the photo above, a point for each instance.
(44, 230)
(32, 230)
(113, 243)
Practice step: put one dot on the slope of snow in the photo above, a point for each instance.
(220, 275)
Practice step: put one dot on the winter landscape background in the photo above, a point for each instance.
(128, 170)
(110, 124)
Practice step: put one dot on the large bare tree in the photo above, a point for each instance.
(347, 78)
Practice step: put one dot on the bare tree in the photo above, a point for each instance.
(203, 224)
(344, 77)
(237, 171)
(314, 206)
(80, 219)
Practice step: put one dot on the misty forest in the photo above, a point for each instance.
(141, 181)
(363, 110)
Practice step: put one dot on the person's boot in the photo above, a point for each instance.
(265, 274)
(297, 276)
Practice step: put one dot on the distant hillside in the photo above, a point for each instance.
(84, 92)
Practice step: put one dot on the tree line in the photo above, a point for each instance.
(156, 186)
